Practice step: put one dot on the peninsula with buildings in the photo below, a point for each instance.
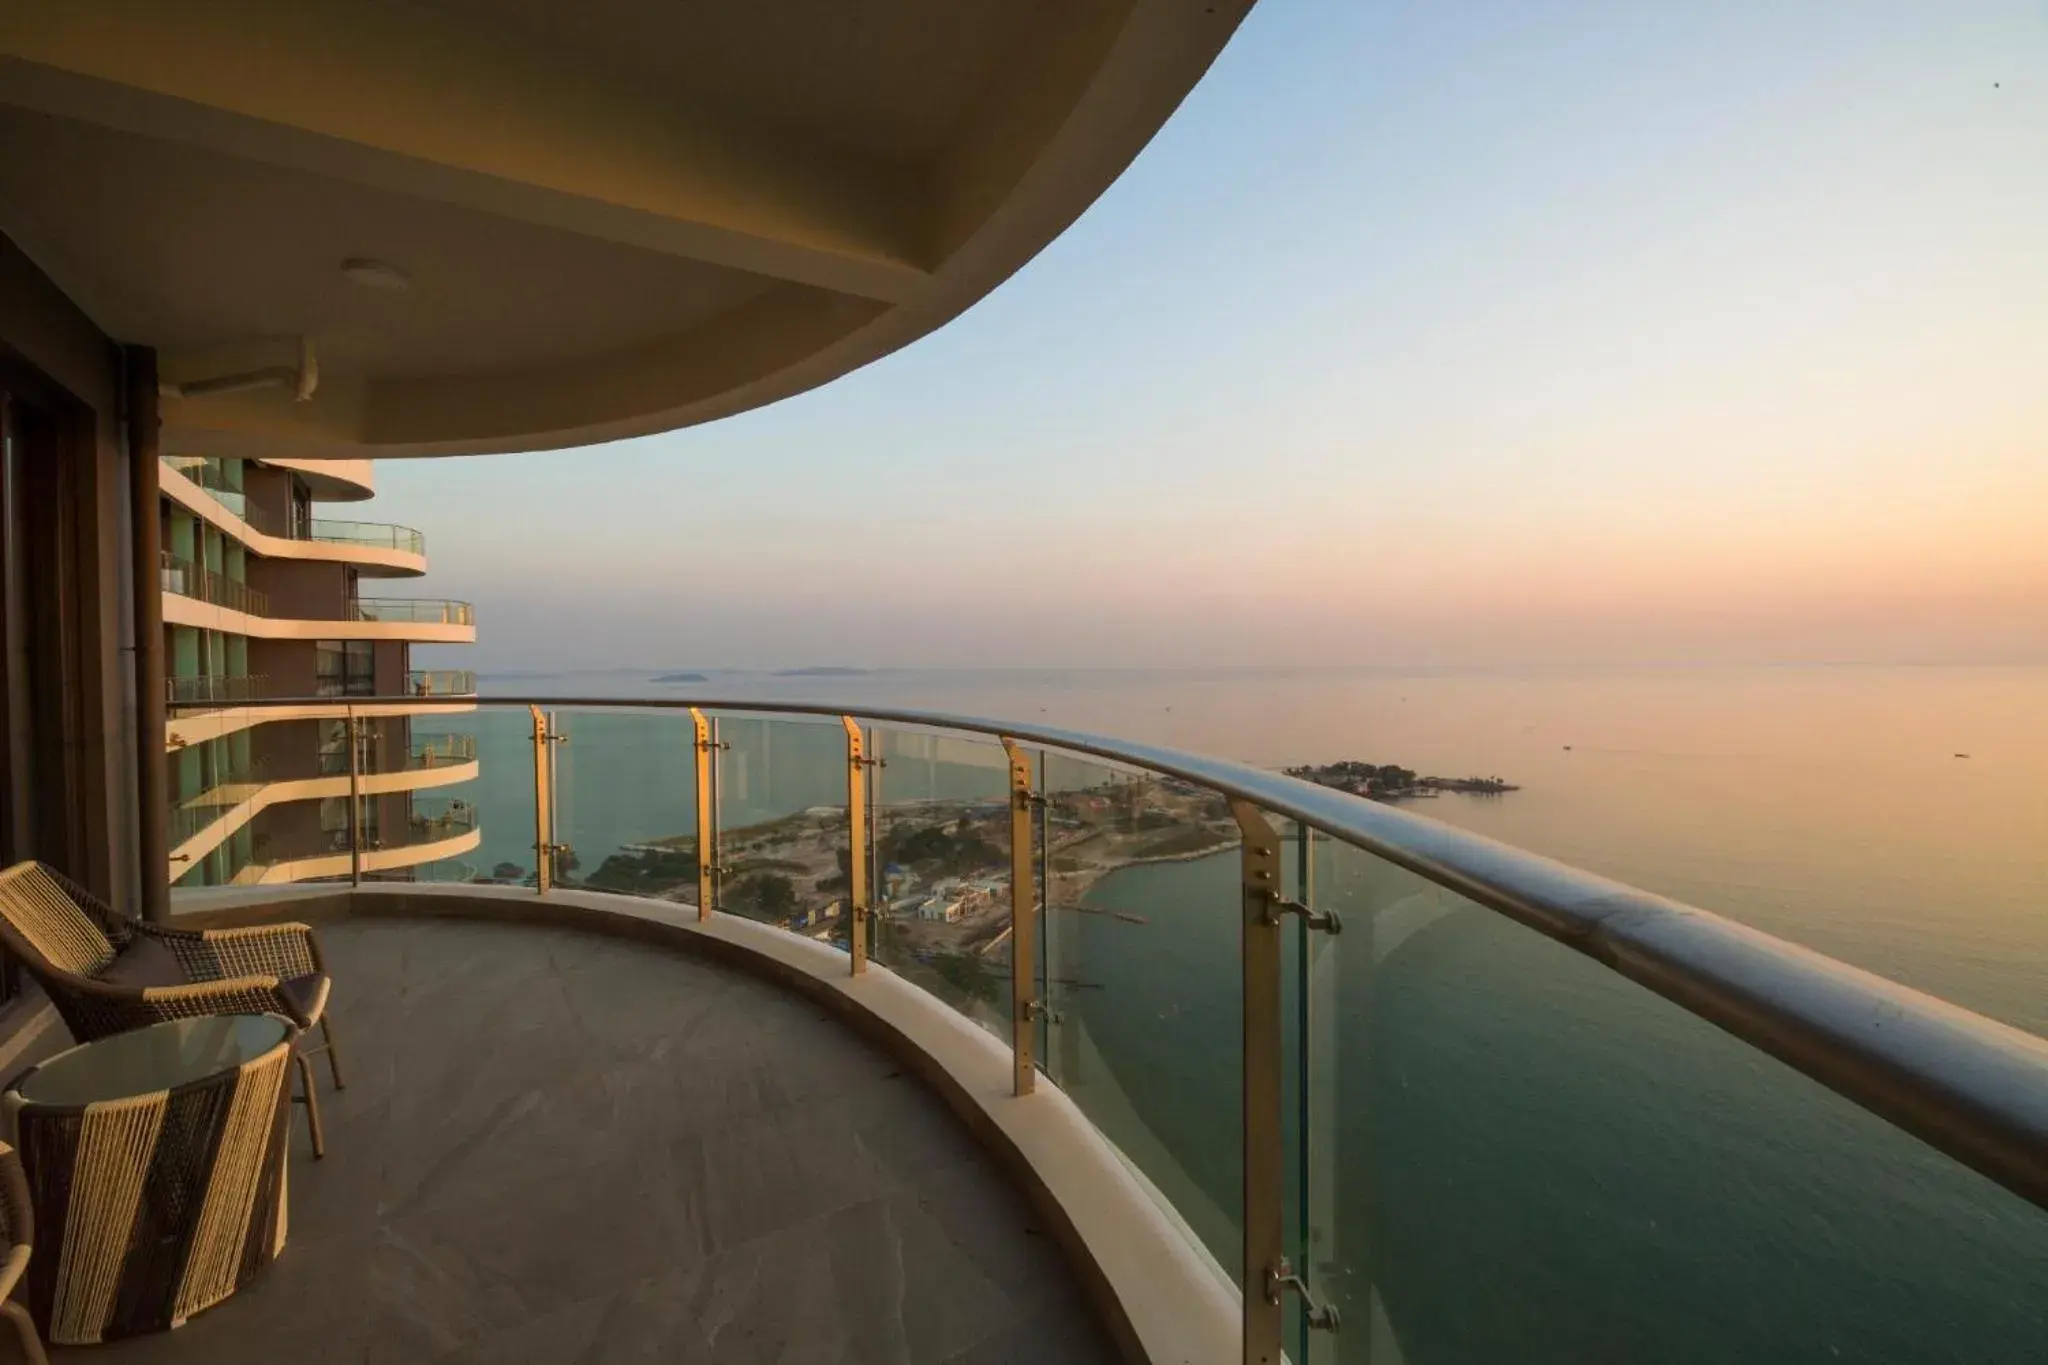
(941, 871)
(1389, 782)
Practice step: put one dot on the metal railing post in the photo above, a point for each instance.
(717, 816)
(355, 798)
(543, 818)
(1024, 1005)
(857, 849)
(703, 760)
(877, 891)
(1265, 1171)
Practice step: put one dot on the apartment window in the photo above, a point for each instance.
(345, 668)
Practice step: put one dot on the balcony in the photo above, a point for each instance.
(1222, 1028)
(203, 487)
(441, 682)
(382, 535)
(214, 689)
(206, 708)
(380, 763)
(206, 599)
(562, 1146)
(200, 584)
(436, 611)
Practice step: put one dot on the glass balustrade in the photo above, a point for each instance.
(431, 611)
(441, 682)
(1468, 1142)
(215, 688)
(939, 866)
(381, 535)
(187, 579)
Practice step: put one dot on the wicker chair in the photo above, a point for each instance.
(107, 973)
(17, 1234)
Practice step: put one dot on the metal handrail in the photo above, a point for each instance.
(387, 535)
(442, 611)
(1969, 1086)
(188, 579)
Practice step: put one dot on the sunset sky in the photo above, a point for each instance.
(1424, 333)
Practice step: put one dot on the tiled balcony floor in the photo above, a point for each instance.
(559, 1147)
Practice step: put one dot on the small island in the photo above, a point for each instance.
(1389, 782)
(680, 678)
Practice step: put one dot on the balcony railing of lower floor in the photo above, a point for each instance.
(430, 611)
(187, 579)
(1392, 1090)
(441, 682)
(364, 757)
(218, 689)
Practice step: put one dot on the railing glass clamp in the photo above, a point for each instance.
(1281, 1277)
(1326, 920)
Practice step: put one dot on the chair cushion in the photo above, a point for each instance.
(306, 995)
(144, 962)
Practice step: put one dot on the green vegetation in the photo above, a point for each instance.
(935, 851)
(765, 895)
(646, 874)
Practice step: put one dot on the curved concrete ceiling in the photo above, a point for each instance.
(570, 220)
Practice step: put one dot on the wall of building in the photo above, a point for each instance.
(52, 350)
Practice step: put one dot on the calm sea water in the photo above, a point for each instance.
(1512, 1155)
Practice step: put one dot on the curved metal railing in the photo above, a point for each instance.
(1972, 1088)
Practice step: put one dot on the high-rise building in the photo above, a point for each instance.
(264, 598)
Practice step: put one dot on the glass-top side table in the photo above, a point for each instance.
(156, 1170)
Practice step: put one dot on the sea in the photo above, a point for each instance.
(1502, 1152)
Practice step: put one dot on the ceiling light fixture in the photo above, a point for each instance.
(375, 275)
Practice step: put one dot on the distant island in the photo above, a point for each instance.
(1389, 782)
(680, 678)
(820, 673)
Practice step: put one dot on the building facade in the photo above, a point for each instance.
(264, 598)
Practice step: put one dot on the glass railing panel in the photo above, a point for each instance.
(214, 689)
(1142, 977)
(382, 535)
(441, 682)
(188, 579)
(500, 796)
(412, 609)
(625, 802)
(784, 845)
(1514, 1153)
(941, 860)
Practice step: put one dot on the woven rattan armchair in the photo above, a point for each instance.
(107, 973)
(17, 1234)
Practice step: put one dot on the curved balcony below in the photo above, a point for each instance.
(209, 601)
(376, 549)
(1358, 1065)
(568, 1146)
(424, 840)
(441, 682)
(334, 480)
(194, 722)
(203, 823)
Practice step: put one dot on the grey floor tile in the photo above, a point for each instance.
(555, 1147)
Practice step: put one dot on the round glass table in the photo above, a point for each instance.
(156, 1170)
